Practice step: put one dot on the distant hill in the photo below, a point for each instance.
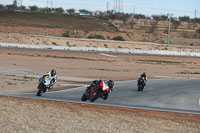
(75, 26)
(63, 21)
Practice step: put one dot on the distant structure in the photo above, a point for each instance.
(84, 13)
(118, 6)
(20, 3)
(49, 3)
(15, 2)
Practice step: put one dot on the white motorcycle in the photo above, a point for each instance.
(44, 85)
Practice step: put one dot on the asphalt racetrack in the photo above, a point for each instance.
(173, 95)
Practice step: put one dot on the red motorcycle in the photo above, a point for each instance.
(99, 89)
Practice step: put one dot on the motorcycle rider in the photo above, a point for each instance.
(95, 82)
(142, 78)
(141, 81)
(110, 84)
(52, 77)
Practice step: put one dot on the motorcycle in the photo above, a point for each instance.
(93, 92)
(44, 85)
(141, 84)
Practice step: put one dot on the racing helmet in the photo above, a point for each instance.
(143, 74)
(110, 83)
(53, 72)
(95, 81)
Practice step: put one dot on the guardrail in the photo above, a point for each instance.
(101, 49)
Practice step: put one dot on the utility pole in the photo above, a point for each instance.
(115, 5)
(118, 6)
(195, 13)
(15, 2)
(107, 6)
(51, 3)
(122, 6)
(47, 3)
(132, 17)
(169, 23)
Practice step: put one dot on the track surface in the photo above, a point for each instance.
(174, 95)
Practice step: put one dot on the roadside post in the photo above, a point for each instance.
(169, 22)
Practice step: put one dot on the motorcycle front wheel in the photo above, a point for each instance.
(41, 89)
(94, 95)
(140, 88)
(39, 93)
(84, 98)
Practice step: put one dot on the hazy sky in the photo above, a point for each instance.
(147, 7)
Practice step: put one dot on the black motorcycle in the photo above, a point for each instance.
(140, 84)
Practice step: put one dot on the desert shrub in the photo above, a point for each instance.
(185, 35)
(54, 43)
(66, 34)
(96, 37)
(118, 38)
(165, 31)
(162, 41)
(106, 45)
(198, 31)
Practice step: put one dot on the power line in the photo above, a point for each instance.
(115, 5)
(118, 5)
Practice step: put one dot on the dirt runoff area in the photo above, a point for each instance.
(28, 115)
(21, 69)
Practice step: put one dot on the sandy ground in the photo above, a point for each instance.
(20, 70)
